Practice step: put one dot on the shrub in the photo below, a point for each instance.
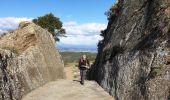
(114, 10)
(156, 71)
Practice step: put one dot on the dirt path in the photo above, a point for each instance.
(69, 90)
(72, 72)
(69, 73)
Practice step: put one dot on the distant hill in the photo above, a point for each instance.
(77, 48)
(72, 57)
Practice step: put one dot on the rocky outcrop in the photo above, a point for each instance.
(32, 60)
(133, 60)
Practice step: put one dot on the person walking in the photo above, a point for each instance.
(83, 66)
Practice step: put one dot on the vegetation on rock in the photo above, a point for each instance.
(52, 24)
(114, 10)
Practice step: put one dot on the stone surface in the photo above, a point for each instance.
(36, 60)
(69, 90)
(10, 87)
(132, 63)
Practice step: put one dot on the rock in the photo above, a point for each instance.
(132, 63)
(9, 84)
(36, 61)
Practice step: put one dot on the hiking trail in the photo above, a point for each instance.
(69, 89)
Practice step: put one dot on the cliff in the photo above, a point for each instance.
(133, 61)
(31, 61)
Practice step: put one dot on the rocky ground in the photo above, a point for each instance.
(69, 90)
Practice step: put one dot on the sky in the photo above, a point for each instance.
(82, 19)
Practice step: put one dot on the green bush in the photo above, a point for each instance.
(114, 10)
(156, 71)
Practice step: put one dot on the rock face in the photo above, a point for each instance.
(32, 60)
(133, 62)
(9, 82)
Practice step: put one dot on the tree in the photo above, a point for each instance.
(52, 24)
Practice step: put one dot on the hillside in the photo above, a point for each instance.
(73, 57)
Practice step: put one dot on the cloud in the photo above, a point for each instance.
(82, 34)
(10, 23)
(80, 40)
(77, 34)
(83, 29)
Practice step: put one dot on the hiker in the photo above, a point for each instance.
(83, 66)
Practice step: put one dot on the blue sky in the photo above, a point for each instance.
(83, 19)
(82, 11)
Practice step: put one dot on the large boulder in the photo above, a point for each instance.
(133, 60)
(32, 58)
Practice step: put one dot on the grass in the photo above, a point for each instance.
(73, 57)
(156, 71)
